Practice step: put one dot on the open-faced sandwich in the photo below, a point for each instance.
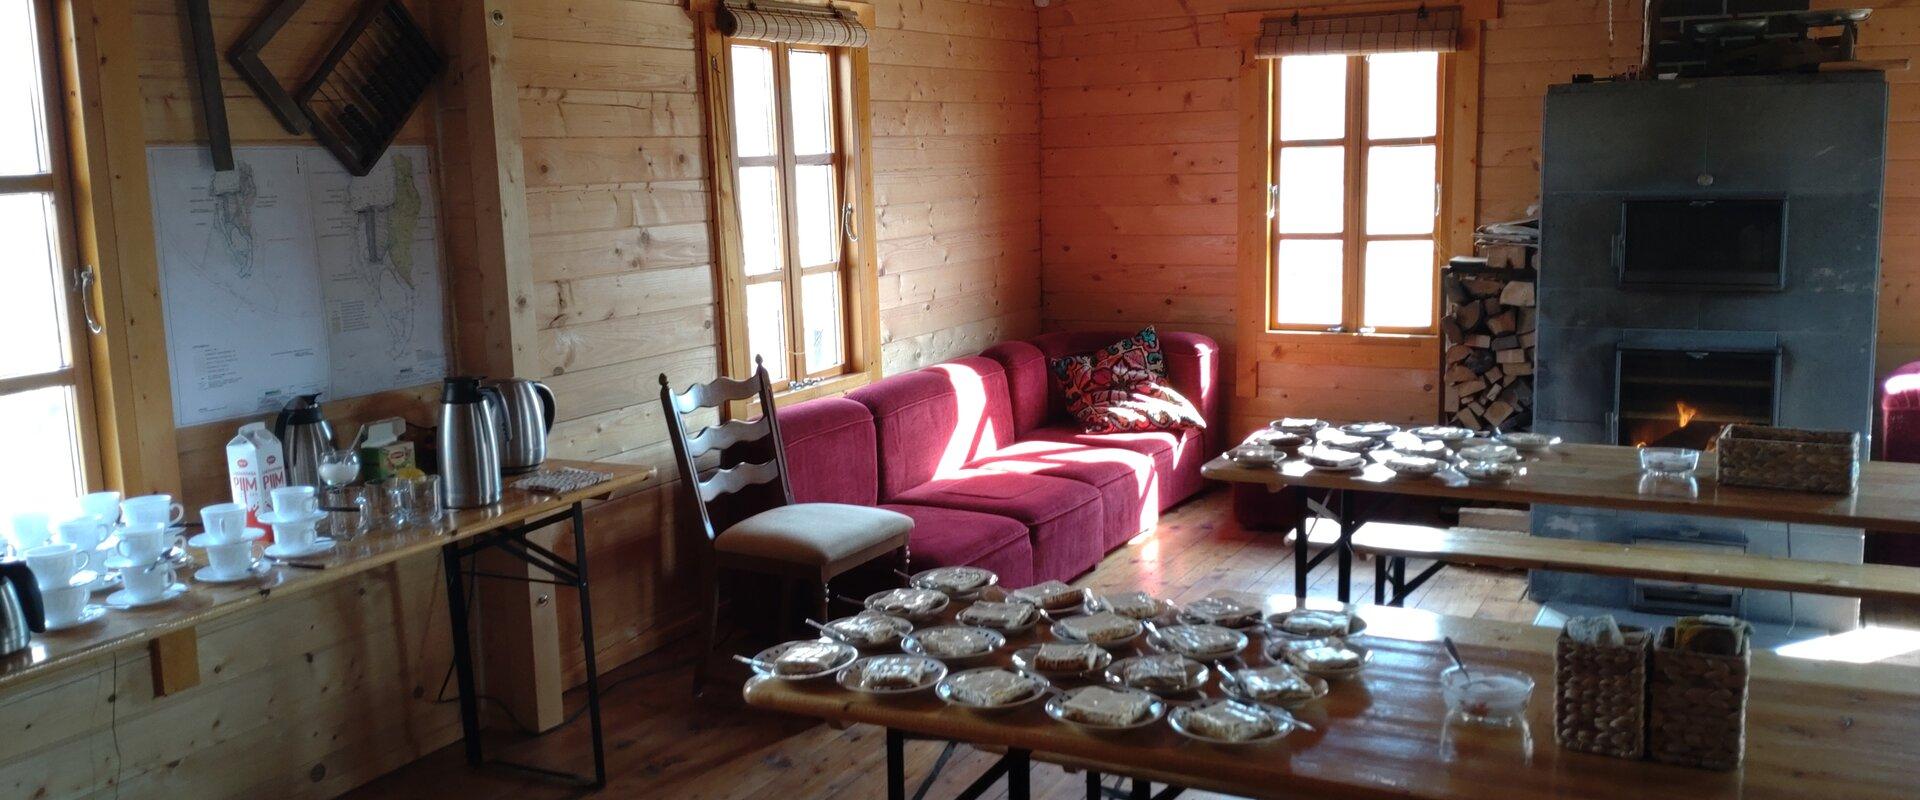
(955, 581)
(1050, 596)
(870, 629)
(1104, 628)
(1007, 616)
(1102, 707)
(957, 641)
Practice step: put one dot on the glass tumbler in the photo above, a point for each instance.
(423, 507)
(398, 505)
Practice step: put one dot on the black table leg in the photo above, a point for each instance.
(1345, 545)
(1301, 563)
(1379, 580)
(1094, 790)
(1019, 775)
(579, 519)
(462, 653)
(896, 765)
(1142, 790)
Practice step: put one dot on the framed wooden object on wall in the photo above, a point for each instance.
(855, 226)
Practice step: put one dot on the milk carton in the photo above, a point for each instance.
(255, 467)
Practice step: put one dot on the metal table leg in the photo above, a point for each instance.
(896, 765)
(462, 653)
(579, 519)
(1301, 565)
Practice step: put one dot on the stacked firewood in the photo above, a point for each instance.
(1488, 325)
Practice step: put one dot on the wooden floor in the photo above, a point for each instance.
(661, 743)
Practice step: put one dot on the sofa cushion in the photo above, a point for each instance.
(934, 420)
(1177, 455)
(814, 534)
(1192, 365)
(830, 451)
(1063, 517)
(1129, 488)
(1115, 396)
(952, 537)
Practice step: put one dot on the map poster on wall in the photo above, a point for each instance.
(288, 276)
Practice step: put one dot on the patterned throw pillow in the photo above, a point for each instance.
(1121, 388)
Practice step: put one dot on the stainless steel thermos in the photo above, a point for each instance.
(469, 439)
(304, 433)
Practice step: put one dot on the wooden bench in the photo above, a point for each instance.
(1392, 545)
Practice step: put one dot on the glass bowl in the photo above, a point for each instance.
(1668, 460)
(1486, 695)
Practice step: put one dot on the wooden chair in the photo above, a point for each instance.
(745, 507)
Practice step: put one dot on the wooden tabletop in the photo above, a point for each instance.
(1814, 729)
(1608, 476)
(204, 602)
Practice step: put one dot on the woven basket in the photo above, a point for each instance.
(1698, 706)
(1600, 695)
(1786, 458)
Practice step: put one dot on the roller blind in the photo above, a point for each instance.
(1426, 30)
(791, 23)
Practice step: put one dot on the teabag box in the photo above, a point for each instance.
(256, 466)
(382, 451)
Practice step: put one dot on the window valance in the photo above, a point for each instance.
(791, 23)
(1424, 30)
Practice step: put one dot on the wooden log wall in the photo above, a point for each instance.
(1138, 160)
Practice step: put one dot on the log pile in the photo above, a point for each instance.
(1488, 338)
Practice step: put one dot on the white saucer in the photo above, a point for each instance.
(281, 551)
(109, 580)
(92, 614)
(203, 540)
(274, 518)
(119, 600)
(207, 575)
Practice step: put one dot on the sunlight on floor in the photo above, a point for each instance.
(1863, 646)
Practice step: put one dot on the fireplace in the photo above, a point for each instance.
(1682, 398)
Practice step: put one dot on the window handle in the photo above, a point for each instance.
(83, 285)
(1273, 199)
(846, 223)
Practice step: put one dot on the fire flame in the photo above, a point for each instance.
(1685, 412)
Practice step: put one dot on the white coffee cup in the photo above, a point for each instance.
(294, 536)
(65, 605)
(30, 530)
(105, 505)
(225, 522)
(152, 508)
(295, 500)
(147, 580)
(147, 542)
(231, 559)
(85, 533)
(55, 564)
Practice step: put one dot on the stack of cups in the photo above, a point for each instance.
(296, 513)
(147, 572)
(65, 582)
(228, 542)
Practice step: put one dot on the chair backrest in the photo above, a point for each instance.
(720, 493)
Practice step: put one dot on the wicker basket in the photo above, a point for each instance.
(1786, 458)
(1698, 706)
(1600, 695)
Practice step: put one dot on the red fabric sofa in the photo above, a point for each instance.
(980, 452)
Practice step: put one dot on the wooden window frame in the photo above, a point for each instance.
(1353, 235)
(1255, 342)
(860, 363)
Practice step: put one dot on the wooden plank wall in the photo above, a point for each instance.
(305, 698)
(615, 165)
(1137, 188)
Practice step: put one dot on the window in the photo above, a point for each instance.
(1355, 193)
(797, 228)
(44, 382)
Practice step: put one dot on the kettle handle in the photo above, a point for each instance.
(27, 588)
(546, 402)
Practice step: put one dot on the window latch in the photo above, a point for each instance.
(1273, 199)
(83, 279)
(846, 223)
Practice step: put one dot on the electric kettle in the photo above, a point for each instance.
(469, 438)
(21, 614)
(528, 414)
(305, 434)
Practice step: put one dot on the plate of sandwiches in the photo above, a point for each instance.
(954, 643)
(1315, 623)
(1286, 441)
(959, 583)
(1164, 674)
(1010, 617)
(1333, 658)
(870, 630)
(1051, 596)
(1448, 434)
(1223, 610)
(1348, 442)
(1326, 459)
(1134, 605)
(1300, 425)
(1105, 709)
(1062, 659)
(1226, 721)
(914, 604)
(892, 674)
(991, 690)
(1203, 642)
(1371, 430)
(1274, 685)
(804, 660)
(1105, 629)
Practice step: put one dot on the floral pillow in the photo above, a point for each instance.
(1121, 388)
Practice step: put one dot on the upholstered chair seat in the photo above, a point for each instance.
(816, 534)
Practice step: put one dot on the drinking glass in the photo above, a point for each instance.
(399, 502)
(423, 505)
